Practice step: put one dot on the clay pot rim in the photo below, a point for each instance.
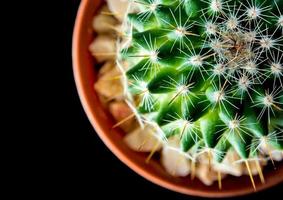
(95, 121)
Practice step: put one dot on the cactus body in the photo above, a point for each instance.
(208, 71)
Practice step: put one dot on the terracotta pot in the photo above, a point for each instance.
(85, 76)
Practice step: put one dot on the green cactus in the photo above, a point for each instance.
(209, 71)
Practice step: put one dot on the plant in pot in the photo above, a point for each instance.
(198, 83)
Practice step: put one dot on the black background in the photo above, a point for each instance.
(90, 168)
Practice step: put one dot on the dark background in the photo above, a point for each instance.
(91, 168)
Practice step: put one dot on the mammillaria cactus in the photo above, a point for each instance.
(208, 72)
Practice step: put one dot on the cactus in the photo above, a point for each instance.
(207, 71)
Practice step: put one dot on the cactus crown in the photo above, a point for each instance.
(209, 72)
